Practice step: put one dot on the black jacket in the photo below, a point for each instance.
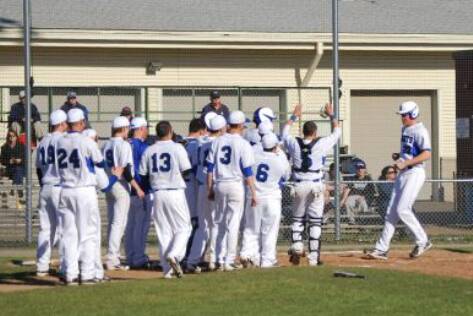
(18, 114)
(222, 111)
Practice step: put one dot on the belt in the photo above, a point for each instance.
(316, 180)
(307, 171)
(170, 189)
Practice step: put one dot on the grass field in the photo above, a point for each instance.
(283, 291)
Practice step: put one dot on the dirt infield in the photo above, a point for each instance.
(448, 263)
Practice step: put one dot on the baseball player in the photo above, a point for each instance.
(139, 216)
(117, 153)
(262, 221)
(77, 158)
(308, 154)
(48, 175)
(206, 234)
(196, 131)
(164, 164)
(415, 150)
(229, 163)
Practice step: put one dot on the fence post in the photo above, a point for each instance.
(239, 98)
(193, 102)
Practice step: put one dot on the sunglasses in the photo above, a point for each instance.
(391, 172)
(405, 114)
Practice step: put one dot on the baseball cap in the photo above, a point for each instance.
(57, 117)
(263, 114)
(208, 117)
(269, 141)
(408, 107)
(120, 121)
(215, 94)
(265, 128)
(237, 117)
(217, 123)
(359, 164)
(75, 115)
(252, 136)
(71, 95)
(22, 94)
(89, 133)
(126, 110)
(138, 122)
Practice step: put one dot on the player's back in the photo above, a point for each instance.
(46, 159)
(203, 152)
(76, 158)
(192, 149)
(163, 162)
(230, 157)
(270, 170)
(117, 153)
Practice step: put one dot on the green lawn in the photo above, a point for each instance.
(284, 291)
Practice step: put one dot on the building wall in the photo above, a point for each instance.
(359, 71)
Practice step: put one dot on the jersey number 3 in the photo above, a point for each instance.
(162, 164)
(227, 155)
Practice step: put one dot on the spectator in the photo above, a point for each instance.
(329, 207)
(127, 112)
(72, 103)
(385, 189)
(17, 117)
(216, 106)
(12, 157)
(360, 193)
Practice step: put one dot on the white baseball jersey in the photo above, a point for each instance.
(315, 158)
(203, 152)
(46, 159)
(414, 140)
(163, 162)
(117, 153)
(271, 170)
(231, 158)
(77, 157)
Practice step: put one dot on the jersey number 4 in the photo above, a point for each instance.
(162, 164)
(63, 160)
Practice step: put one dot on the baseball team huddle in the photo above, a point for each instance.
(223, 179)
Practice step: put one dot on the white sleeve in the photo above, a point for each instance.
(94, 151)
(102, 178)
(183, 159)
(38, 163)
(126, 156)
(247, 157)
(285, 132)
(144, 162)
(327, 142)
(286, 167)
(289, 143)
(423, 140)
(211, 154)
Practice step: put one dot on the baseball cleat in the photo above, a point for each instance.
(246, 262)
(73, 282)
(377, 254)
(295, 256)
(212, 266)
(89, 282)
(232, 267)
(42, 274)
(420, 250)
(117, 267)
(176, 267)
(193, 268)
(103, 279)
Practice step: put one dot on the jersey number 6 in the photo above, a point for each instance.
(262, 173)
(164, 163)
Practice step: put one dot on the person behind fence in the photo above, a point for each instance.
(48, 175)
(17, 117)
(78, 156)
(72, 103)
(415, 150)
(385, 189)
(12, 156)
(308, 157)
(360, 192)
(216, 106)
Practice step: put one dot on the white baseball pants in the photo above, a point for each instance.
(230, 200)
(406, 188)
(308, 204)
(49, 233)
(260, 234)
(99, 273)
(118, 205)
(77, 210)
(137, 228)
(206, 234)
(173, 224)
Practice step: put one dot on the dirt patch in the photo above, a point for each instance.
(434, 262)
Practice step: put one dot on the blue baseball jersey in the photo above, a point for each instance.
(138, 148)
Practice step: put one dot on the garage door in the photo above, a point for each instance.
(376, 129)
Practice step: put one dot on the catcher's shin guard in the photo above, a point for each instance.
(315, 231)
(297, 248)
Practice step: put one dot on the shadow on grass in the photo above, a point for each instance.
(25, 278)
(458, 250)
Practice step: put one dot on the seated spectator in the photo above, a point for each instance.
(385, 189)
(329, 208)
(17, 117)
(72, 102)
(216, 106)
(12, 157)
(359, 194)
